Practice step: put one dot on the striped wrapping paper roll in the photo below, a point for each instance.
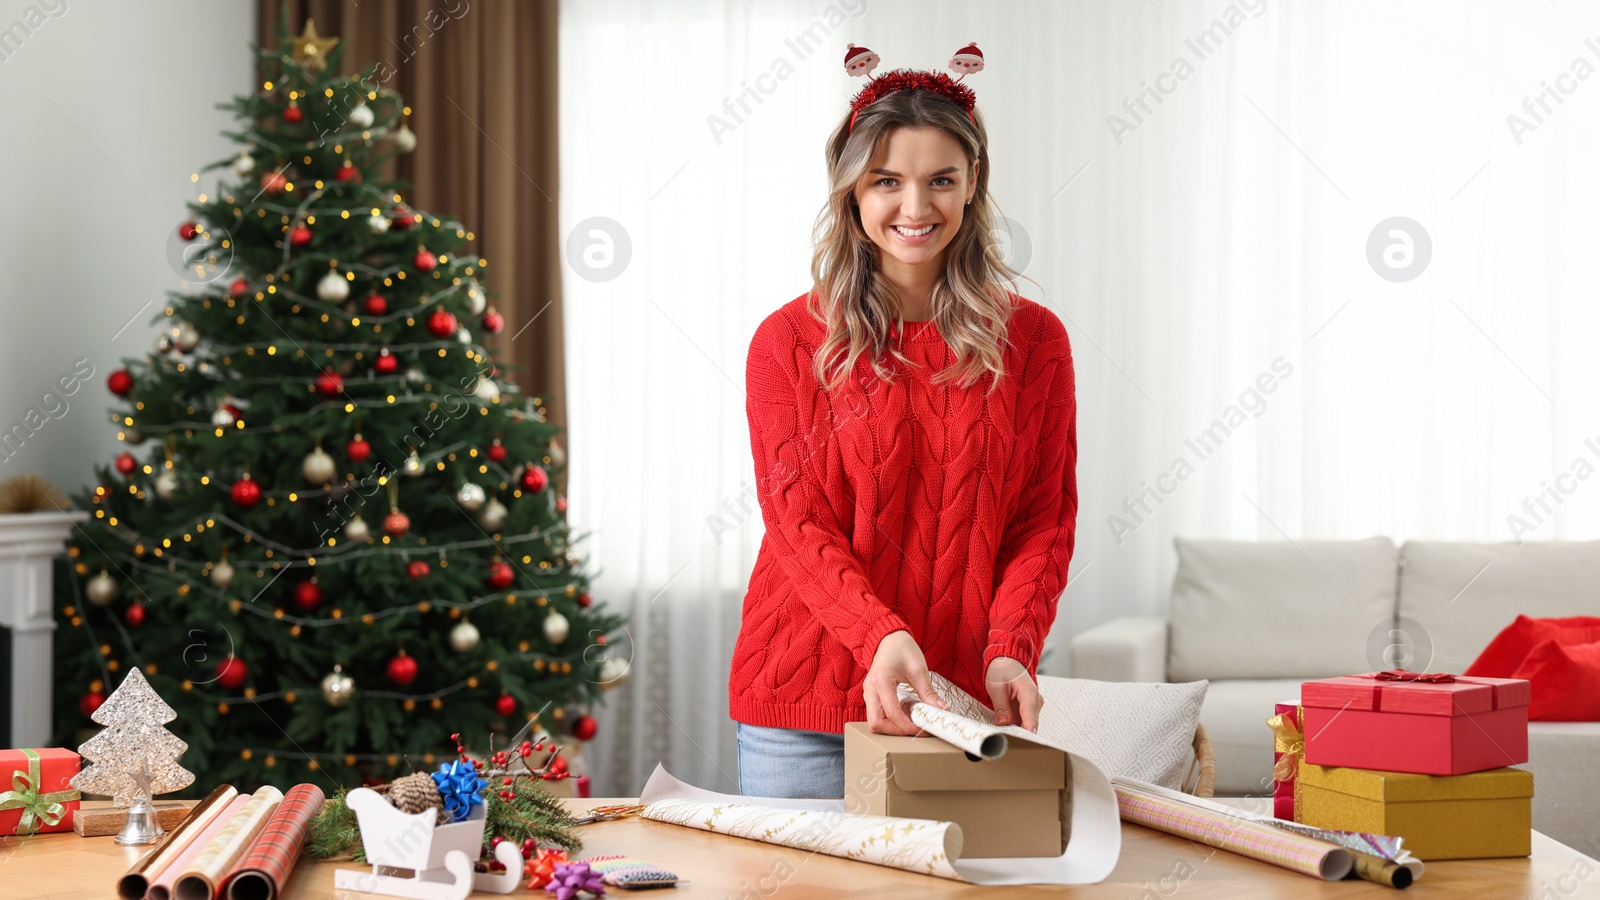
(133, 885)
(161, 885)
(260, 874)
(205, 876)
(1307, 856)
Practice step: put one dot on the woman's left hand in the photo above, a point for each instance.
(1012, 693)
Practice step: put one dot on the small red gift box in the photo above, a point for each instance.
(1288, 747)
(1429, 724)
(35, 795)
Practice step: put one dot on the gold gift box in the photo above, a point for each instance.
(1482, 814)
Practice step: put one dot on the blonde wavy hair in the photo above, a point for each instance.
(849, 294)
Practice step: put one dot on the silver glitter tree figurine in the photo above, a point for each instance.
(133, 739)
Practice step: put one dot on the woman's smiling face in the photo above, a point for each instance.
(913, 195)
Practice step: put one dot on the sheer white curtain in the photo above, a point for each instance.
(1208, 244)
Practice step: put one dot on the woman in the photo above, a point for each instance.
(914, 432)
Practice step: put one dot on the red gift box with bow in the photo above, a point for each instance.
(1426, 723)
(35, 791)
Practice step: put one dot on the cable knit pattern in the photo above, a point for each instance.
(928, 508)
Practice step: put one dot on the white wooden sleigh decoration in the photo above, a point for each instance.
(413, 856)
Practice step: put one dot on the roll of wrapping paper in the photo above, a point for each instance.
(161, 885)
(916, 845)
(133, 885)
(260, 873)
(206, 875)
(1307, 856)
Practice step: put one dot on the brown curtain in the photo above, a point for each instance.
(480, 79)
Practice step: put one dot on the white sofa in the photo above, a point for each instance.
(1257, 619)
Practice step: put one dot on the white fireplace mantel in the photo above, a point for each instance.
(28, 542)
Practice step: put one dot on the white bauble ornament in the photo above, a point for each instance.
(405, 139)
(133, 435)
(222, 418)
(357, 531)
(245, 164)
(338, 688)
(613, 671)
(413, 465)
(486, 390)
(494, 513)
(333, 287)
(318, 467)
(415, 376)
(162, 343)
(222, 574)
(166, 485)
(558, 456)
(464, 336)
(476, 301)
(361, 116)
(464, 637)
(102, 589)
(470, 496)
(556, 627)
(378, 224)
(185, 337)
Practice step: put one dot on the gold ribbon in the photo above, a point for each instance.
(1289, 741)
(36, 807)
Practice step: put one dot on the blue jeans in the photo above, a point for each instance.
(790, 763)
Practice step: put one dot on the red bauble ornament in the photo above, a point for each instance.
(134, 615)
(239, 288)
(126, 463)
(293, 115)
(348, 173)
(246, 492)
(120, 383)
(274, 182)
(493, 322)
(402, 219)
(358, 449)
(506, 705)
(403, 669)
(584, 600)
(584, 728)
(417, 569)
(561, 504)
(442, 323)
(231, 673)
(386, 363)
(300, 235)
(500, 575)
(396, 523)
(534, 479)
(425, 261)
(329, 384)
(375, 305)
(497, 451)
(90, 702)
(188, 231)
(307, 596)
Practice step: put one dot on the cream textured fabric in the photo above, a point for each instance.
(1134, 729)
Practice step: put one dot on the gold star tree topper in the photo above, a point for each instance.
(312, 49)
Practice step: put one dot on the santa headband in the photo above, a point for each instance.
(861, 61)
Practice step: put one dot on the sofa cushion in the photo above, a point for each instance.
(1565, 681)
(1462, 594)
(1511, 646)
(1278, 609)
(1235, 714)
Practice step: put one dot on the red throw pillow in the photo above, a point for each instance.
(1508, 649)
(1565, 680)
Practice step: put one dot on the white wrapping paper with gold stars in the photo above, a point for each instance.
(915, 845)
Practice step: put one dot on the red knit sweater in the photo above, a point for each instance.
(914, 506)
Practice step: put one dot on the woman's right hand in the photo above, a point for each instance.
(897, 660)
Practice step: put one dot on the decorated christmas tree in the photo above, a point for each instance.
(335, 537)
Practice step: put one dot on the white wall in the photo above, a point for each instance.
(106, 109)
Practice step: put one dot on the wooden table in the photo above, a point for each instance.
(1152, 865)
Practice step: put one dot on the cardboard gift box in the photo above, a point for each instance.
(35, 793)
(1481, 814)
(1288, 748)
(1444, 725)
(1017, 805)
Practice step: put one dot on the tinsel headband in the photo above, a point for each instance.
(861, 61)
